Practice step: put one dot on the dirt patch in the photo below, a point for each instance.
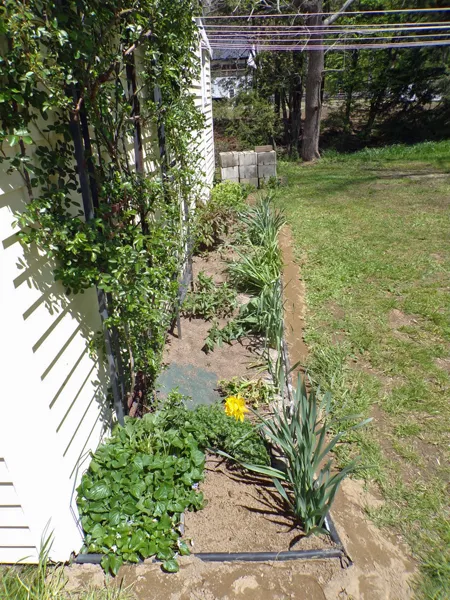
(231, 360)
(213, 264)
(209, 581)
(398, 319)
(294, 303)
(238, 359)
(382, 567)
(244, 514)
(444, 364)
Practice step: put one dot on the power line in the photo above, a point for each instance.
(326, 33)
(308, 47)
(326, 14)
(243, 28)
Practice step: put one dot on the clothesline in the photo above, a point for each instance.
(325, 14)
(336, 45)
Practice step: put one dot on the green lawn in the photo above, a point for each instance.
(372, 233)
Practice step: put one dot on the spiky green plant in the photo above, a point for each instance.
(298, 432)
(263, 221)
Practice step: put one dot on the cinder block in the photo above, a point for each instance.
(267, 171)
(247, 158)
(263, 148)
(252, 181)
(248, 172)
(229, 159)
(230, 173)
(267, 158)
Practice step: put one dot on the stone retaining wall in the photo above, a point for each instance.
(250, 166)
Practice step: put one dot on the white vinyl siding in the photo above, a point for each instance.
(16, 542)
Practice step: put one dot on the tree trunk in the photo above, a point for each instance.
(349, 92)
(313, 102)
(285, 117)
(277, 103)
(297, 93)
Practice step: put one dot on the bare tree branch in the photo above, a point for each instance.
(333, 18)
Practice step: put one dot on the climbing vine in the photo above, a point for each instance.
(79, 78)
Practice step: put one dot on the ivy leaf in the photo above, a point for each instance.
(171, 566)
(99, 491)
(197, 457)
(184, 549)
(105, 563)
(115, 517)
(115, 562)
(12, 139)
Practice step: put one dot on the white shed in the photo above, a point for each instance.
(54, 408)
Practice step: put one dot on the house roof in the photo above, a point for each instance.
(231, 54)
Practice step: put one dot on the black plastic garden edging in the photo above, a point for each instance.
(319, 554)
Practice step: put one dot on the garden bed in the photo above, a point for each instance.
(187, 365)
(244, 514)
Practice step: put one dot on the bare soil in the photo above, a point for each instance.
(244, 514)
(238, 359)
(294, 304)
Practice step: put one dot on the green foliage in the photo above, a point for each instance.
(258, 271)
(214, 218)
(45, 581)
(389, 94)
(254, 391)
(141, 480)
(64, 77)
(249, 118)
(138, 484)
(214, 430)
(209, 300)
(299, 432)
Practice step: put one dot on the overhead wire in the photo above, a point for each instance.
(325, 14)
(312, 48)
(330, 37)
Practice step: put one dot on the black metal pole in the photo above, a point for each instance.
(88, 208)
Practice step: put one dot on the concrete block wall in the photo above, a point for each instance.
(250, 166)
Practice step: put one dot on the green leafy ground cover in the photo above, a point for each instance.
(372, 237)
(143, 478)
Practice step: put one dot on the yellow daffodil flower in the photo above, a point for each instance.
(235, 407)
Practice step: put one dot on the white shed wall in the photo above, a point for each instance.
(203, 141)
(53, 400)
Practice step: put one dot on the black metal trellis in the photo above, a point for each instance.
(83, 158)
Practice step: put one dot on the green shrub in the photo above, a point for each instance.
(137, 485)
(214, 430)
(258, 272)
(214, 218)
(263, 222)
(209, 300)
(248, 118)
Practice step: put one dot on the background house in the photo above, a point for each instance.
(231, 71)
(55, 405)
